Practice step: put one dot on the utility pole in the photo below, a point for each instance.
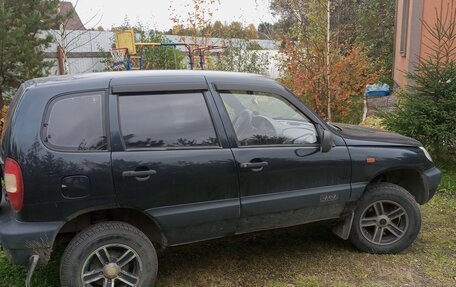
(328, 38)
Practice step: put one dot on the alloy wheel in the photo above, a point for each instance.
(384, 222)
(112, 265)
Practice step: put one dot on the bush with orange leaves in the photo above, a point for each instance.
(3, 114)
(305, 72)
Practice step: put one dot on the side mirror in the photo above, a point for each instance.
(326, 139)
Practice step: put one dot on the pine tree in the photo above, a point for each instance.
(21, 44)
(427, 107)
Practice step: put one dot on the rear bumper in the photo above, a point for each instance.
(432, 179)
(20, 240)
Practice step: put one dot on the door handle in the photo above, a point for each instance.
(138, 173)
(256, 165)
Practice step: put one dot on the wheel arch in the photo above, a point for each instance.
(83, 219)
(411, 179)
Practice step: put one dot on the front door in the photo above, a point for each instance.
(284, 178)
(174, 166)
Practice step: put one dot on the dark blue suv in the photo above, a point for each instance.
(127, 163)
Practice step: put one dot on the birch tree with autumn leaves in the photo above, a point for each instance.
(336, 93)
(239, 54)
(197, 21)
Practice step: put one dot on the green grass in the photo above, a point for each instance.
(307, 256)
(448, 167)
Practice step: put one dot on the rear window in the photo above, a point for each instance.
(76, 123)
(166, 120)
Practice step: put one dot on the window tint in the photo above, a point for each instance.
(166, 120)
(267, 119)
(76, 123)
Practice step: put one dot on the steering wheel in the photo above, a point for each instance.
(264, 126)
(242, 124)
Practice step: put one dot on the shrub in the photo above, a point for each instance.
(426, 109)
(240, 56)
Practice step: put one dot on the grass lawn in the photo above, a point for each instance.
(302, 256)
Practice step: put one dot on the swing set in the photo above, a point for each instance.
(129, 55)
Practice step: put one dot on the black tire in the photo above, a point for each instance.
(117, 239)
(376, 233)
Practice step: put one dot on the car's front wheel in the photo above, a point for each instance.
(113, 254)
(387, 219)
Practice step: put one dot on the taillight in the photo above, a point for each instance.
(14, 184)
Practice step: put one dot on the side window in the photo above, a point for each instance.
(267, 119)
(76, 123)
(166, 120)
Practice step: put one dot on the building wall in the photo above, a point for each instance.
(400, 61)
(406, 53)
(430, 11)
(417, 37)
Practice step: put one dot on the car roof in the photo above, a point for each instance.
(125, 75)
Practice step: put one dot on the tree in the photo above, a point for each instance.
(251, 32)
(374, 27)
(236, 30)
(70, 40)
(266, 31)
(427, 109)
(218, 29)
(370, 22)
(197, 22)
(238, 57)
(329, 75)
(21, 44)
(154, 58)
(306, 50)
(292, 15)
(198, 19)
(159, 58)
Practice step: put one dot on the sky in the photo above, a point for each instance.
(155, 14)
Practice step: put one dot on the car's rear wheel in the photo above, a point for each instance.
(113, 254)
(387, 219)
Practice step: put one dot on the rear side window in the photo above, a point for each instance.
(166, 120)
(76, 123)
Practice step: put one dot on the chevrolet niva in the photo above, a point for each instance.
(128, 163)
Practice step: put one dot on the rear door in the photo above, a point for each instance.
(68, 171)
(171, 158)
(284, 178)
